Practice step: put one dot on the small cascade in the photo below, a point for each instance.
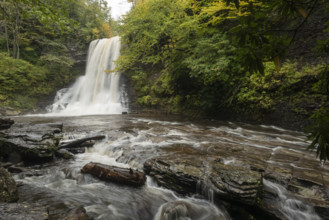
(291, 208)
(99, 90)
(190, 209)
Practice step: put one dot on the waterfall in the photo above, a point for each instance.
(98, 91)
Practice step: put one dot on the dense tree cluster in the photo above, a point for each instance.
(217, 56)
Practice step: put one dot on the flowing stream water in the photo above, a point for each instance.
(93, 105)
(131, 140)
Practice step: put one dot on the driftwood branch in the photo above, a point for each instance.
(78, 142)
(120, 175)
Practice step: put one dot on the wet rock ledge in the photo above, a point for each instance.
(35, 142)
(238, 185)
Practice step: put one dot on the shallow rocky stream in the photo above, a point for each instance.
(196, 170)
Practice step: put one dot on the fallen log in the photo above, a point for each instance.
(78, 142)
(120, 175)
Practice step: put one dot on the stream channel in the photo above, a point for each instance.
(133, 139)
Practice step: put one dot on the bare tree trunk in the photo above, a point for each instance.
(5, 24)
(14, 41)
(7, 38)
(16, 52)
(17, 37)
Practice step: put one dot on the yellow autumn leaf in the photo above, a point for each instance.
(277, 64)
(302, 11)
(109, 71)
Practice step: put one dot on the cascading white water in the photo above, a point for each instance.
(97, 92)
(292, 209)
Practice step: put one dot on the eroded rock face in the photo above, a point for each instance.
(235, 183)
(228, 182)
(8, 189)
(30, 142)
(24, 211)
(180, 175)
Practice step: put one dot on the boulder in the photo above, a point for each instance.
(8, 189)
(23, 211)
(5, 123)
(78, 213)
(31, 143)
(115, 174)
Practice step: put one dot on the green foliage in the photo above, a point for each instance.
(212, 55)
(42, 36)
(263, 91)
(59, 69)
(20, 80)
(170, 50)
(213, 60)
(319, 134)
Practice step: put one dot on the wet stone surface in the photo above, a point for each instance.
(278, 174)
(228, 182)
(8, 189)
(223, 162)
(31, 142)
(23, 211)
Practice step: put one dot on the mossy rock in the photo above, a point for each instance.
(8, 189)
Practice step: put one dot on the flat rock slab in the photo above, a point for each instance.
(30, 142)
(119, 175)
(23, 211)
